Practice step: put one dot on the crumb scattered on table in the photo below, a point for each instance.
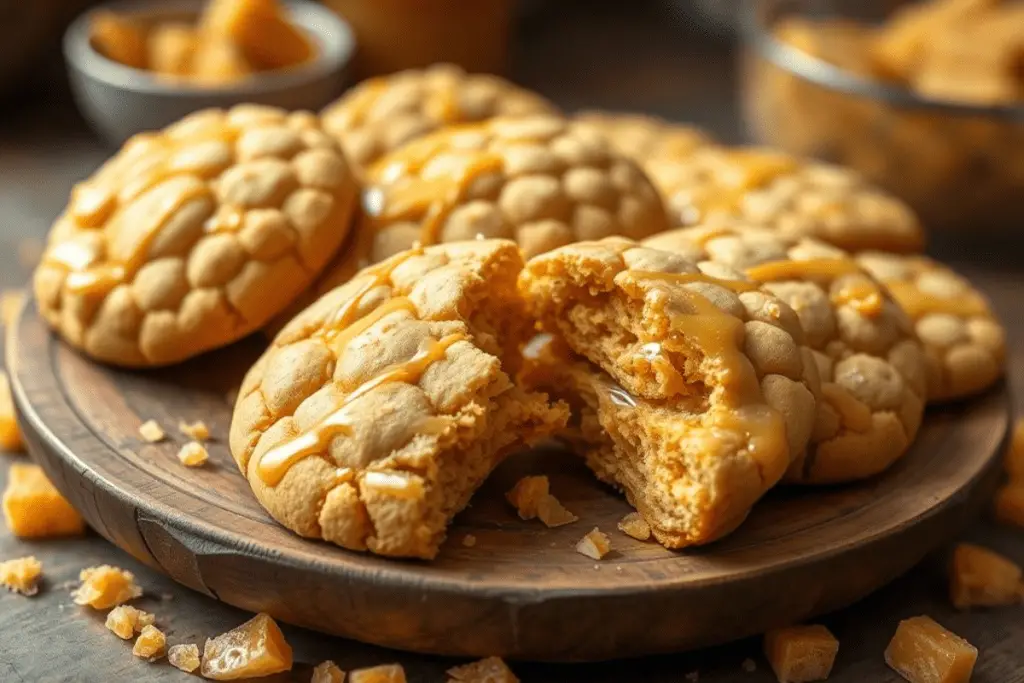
(532, 499)
(634, 525)
(594, 545)
(104, 587)
(125, 621)
(193, 454)
(196, 430)
(34, 508)
(21, 575)
(151, 644)
(151, 431)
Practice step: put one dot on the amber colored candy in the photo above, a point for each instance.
(151, 644)
(193, 454)
(21, 575)
(125, 621)
(34, 508)
(260, 28)
(1008, 506)
(104, 587)
(184, 657)
(118, 38)
(385, 673)
(256, 648)
(195, 430)
(594, 545)
(171, 47)
(10, 434)
(922, 651)
(217, 61)
(636, 526)
(800, 654)
(327, 672)
(982, 578)
(151, 431)
(490, 670)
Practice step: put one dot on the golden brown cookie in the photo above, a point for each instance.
(964, 342)
(871, 366)
(538, 180)
(381, 114)
(193, 237)
(645, 138)
(796, 197)
(691, 390)
(378, 411)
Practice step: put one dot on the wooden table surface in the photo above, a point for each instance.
(648, 62)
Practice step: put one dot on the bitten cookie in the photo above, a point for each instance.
(537, 180)
(796, 197)
(964, 342)
(381, 114)
(379, 410)
(692, 393)
(193, 237)
(645, 139)
(870, 363)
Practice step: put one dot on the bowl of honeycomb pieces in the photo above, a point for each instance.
(139, 65)
(926, 99)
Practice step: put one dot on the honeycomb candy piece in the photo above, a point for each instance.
(645, 138)
(1008, 506)
(634, 525)
(871, 370)
(34, 508)
(691, 400)
(594, 545)
(104, 587)
(983, 578)
(194, 236)
(125, 621)
(796, 197)
(171, 47)
(151, 644)
(118, 38)
(11, 301)
(193, 454)
(10, 433)
(195, 430)
(151, 431)
(261, 30)
(327, 672)
(964, 342)
(1014, 460)
(380, 409)
(532, 499)
(217, 62)
(382, 114)
(489, 670)
(922, 651)
(21, 575)
(539, 180)
(184, 657)
(800, 654)
(256, 648)
(385, 673)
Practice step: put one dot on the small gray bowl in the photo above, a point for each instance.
(119, 101)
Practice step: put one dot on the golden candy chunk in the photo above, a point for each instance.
(151, 644)
(385, 673)
(256, 648)
(10, 434)
(982, 578)
(193, 454)
(119, 38)
(922, 651)
(594, 545)
(151, 431)
(260, 29)
(195, 430)
(171, 47)
(184, 657)
(327, 672)
(21, 575)
(1008, 507)
(634, 525)
(490, 670)
(125, 621)
(218, 61)
(34, 508)
(800, 654)
(104, 587)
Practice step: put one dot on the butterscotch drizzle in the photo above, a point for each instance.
(745, 170)
(685, 278)
(810, 269)
(853, 414)
(918, 304)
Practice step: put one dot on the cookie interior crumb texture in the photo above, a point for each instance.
(256, 648)
(103, 587)
(378, 411)
(922, 651)
(34, 508)
(21, 575)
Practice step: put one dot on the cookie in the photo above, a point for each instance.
(378, 411)
(381, 114)
(869, 361)
(964, 342)
(193, 237)
(796, 197)
(645, 138)
(538, 180)
(691, 390)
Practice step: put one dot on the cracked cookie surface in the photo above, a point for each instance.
(194, 236)
(379, 410)
(870, 364)
(381, 114)
(690, 390)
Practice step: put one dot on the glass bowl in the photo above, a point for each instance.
(960, 166)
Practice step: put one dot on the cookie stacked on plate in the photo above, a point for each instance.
(458, 271)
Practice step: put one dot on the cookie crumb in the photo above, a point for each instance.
(327, 672)
(553, 514)
(749, 665)
(151, 431)
(532, 499)
(594, 545)
(193, 454)
(982, 578)
(799, 654)
(21, 575)
(491, 670)
(184, 657)
(385, 673)
(104, 587)
(151, 644)
(196, 430)
(1008, 506)
(125, 621)
(469, 540)
(34, 508)
(256, 648)
(634, 525)
(922, 651)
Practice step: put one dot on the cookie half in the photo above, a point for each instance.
(869, 361)
(381, 114)
(964, 342)
(379, 410)
(193, 237)
(691, 391)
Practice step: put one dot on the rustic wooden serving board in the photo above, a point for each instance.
(521, 591)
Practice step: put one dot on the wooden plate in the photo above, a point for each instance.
(521, 590)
